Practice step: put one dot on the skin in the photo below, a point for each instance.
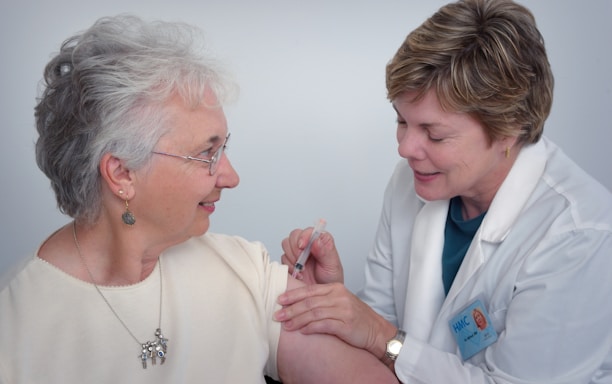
(450, 155)
(173, 200)
(325, 359)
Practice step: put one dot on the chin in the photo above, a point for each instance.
(199, 230)
(433, 196)
(427, 194)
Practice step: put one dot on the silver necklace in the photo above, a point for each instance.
(150, 349)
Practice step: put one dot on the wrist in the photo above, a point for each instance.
(393, 346)
(378, 346)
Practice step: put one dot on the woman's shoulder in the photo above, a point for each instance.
(225, 241)
(233, 249)
(562, 172)
(585, 198)
(220, 253)
(10, 272)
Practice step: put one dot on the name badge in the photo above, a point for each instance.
(472, 329)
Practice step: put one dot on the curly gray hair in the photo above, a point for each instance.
(102, 94)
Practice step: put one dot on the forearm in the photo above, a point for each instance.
(325, 358)
(321, 359)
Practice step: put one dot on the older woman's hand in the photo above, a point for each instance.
(323, 265)
(333, 309)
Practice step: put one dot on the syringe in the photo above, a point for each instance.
(301, 261)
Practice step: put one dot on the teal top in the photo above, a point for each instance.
(458, 235)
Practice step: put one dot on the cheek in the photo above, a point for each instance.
(167, 191)
(463, 157)
(191, 181)
(183, 188)
(444, 159)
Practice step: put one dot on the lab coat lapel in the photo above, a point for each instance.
(425, 291)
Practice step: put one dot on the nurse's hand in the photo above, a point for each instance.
(323, 266)
(333, 309)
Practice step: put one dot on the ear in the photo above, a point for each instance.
(507, 143)
(510, 141)
(117, 176)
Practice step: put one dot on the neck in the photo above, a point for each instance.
(150, 350)
(112, 257)
(478, 201)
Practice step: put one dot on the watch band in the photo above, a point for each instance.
(394, 346)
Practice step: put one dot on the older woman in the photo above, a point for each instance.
(134, 290)
(483, 214)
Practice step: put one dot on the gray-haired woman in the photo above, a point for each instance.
(134, 290)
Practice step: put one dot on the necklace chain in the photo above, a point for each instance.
(150, 349)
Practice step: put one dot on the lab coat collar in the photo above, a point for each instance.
(508, 203)
(514, 192)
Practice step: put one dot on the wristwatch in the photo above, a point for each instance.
(395, 345)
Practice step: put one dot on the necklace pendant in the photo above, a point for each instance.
(152, 352)
(154, 349)
(161, 345)
(144, 355)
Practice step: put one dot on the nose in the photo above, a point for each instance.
(227, 177)
(409, 143)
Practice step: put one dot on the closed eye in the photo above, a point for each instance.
(206, 154)
(431, 136)
(211, 152)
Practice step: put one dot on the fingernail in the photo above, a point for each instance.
(279, 316)
(324, 241)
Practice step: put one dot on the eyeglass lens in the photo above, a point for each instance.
(214, 164)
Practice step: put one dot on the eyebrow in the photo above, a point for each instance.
(427, 125)
(211, 141)
(215, 139)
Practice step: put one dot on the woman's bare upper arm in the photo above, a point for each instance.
(321, 358)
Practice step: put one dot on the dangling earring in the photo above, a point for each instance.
(507, 155)
(128, 216)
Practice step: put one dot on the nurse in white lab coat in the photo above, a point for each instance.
(483, 214)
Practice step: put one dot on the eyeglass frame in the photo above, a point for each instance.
(213, 162)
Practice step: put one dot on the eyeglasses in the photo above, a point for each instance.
(213, 162)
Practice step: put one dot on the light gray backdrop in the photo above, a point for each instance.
(312, 133)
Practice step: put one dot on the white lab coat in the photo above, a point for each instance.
(541, 262)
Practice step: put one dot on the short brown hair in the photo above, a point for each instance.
(483, 57)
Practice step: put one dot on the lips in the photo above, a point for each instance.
(208, 206)
(426, 173)
(418, 173)
(424, 177)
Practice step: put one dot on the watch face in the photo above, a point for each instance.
(394, 347)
